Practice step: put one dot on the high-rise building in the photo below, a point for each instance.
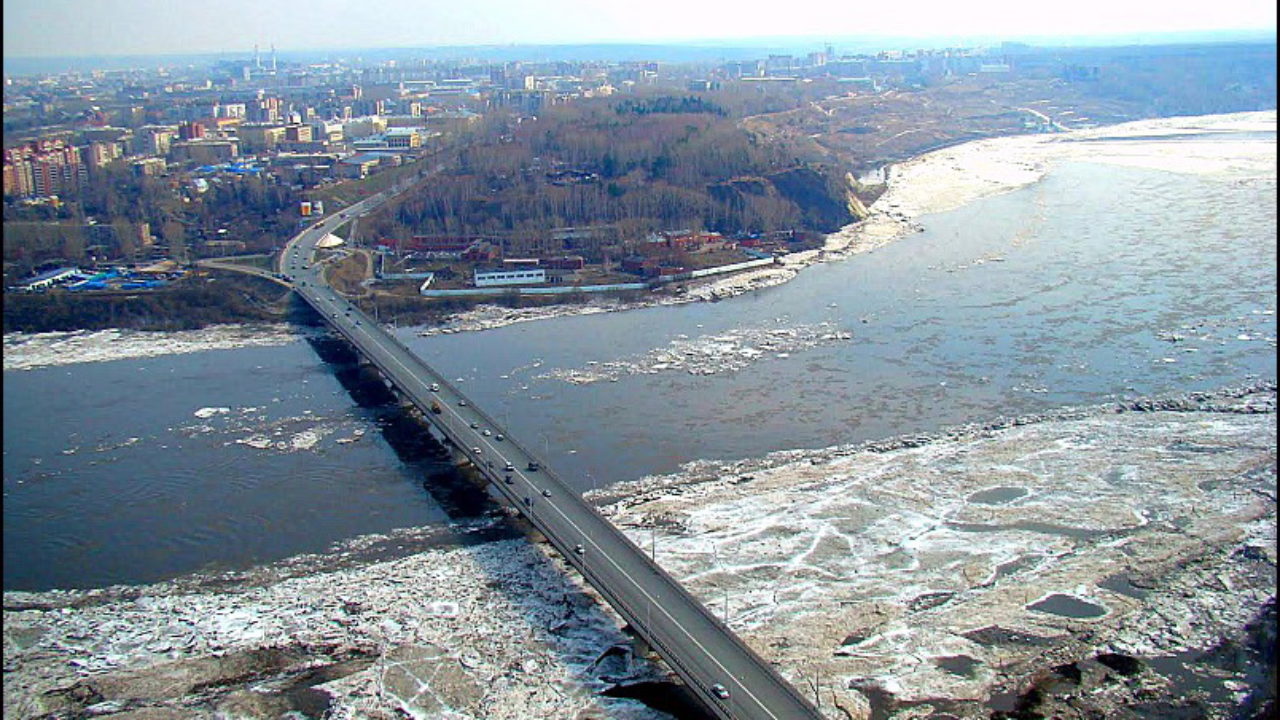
(43, 167)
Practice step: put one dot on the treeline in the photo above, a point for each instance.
(668, 104)
(640, 164)
(1186, 79)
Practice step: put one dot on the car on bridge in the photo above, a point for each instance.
(720, 691)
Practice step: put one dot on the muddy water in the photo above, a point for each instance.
(1097, 283)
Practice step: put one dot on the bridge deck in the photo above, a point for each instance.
(732, 680)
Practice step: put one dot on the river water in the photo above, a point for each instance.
(1097, 283)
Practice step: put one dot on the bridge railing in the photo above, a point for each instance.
(658, 635)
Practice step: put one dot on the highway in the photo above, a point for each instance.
(730, 679)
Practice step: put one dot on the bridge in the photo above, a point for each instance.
(729, 678)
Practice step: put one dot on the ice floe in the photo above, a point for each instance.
(724, 352)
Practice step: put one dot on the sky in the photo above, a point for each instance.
(47, 28)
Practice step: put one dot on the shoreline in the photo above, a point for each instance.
(934, 182)
(503, 629)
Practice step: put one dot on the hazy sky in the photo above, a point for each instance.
(126, 27)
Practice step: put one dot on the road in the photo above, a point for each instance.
(247, 269)
(723, 672)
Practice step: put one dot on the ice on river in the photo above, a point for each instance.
(725, 352)
(26, 351)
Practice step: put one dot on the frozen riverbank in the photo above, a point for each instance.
(956, 571)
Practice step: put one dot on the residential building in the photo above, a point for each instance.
(326, 131)
(43, 167)
(297, 133)
(99, 154)
(154, 139)
(190, 131)
(205, 152)
(260, 137)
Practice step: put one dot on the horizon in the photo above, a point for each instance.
(705, 48)
(149, 28)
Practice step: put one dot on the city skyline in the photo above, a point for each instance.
(74, 28)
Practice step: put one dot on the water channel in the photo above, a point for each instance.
(1098, 283)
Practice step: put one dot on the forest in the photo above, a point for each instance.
(640, 164)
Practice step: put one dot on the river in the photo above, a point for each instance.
(1099, 282)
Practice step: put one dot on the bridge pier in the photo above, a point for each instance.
(639, 647)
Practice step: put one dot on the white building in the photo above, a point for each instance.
(52, 277)
(521, 276)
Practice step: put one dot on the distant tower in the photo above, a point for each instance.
(273, 57)
(257, 59)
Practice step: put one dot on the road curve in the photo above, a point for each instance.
(730, 679)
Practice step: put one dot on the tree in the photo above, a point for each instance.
(175, 237)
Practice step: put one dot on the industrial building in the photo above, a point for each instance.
(499, 278)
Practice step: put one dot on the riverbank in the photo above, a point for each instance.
(934, 182)
(949, 178)
(959, 571)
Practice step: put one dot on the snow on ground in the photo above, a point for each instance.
(24, 351)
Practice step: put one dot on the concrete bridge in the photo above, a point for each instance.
(729, 678)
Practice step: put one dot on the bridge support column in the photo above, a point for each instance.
(639, 647)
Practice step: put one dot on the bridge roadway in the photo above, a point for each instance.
(730, 679)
